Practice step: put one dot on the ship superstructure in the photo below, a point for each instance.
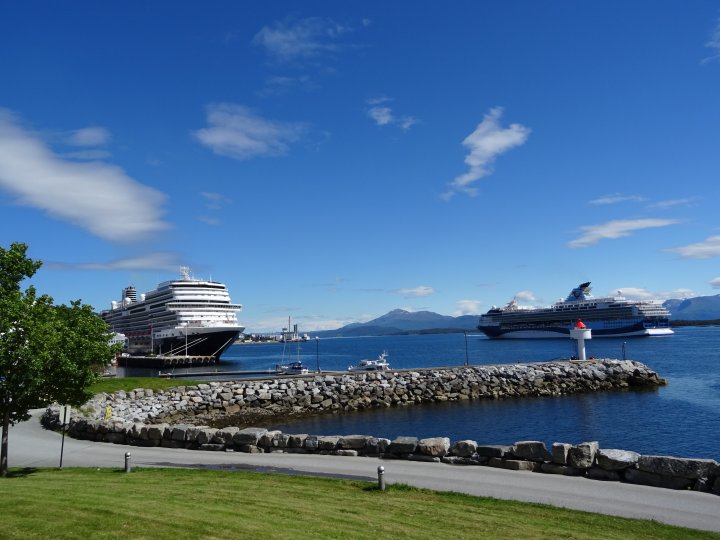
(183, 317)
(607, 317)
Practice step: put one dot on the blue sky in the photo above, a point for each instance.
(336, 160)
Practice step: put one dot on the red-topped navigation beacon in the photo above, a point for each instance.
(581, 333)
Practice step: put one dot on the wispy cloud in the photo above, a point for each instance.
(383, 115)
(89, 136)
(300, 40)
(715, 283)
(278, 85)
(163, 260)
(422, 290)
(635, 293)
(617, 198)
(467, 307)
(214, 201)
(671, 203)
(84, 194)
(706, 249)
(714, 45)
(487, 142)
(619, 228)
(237, 132)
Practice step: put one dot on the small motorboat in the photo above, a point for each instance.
(380, 364)
(294, 368)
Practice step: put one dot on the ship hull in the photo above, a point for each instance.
(637, 330)
(198, 342)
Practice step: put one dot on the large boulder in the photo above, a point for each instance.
(403, 445)
(249, 435)
(582, 455)
(328, 442)
(560, 453)
(376, 446)
(493, 450)
(531, 451)
(679, 467)
(434, 446)
(616, 460)
(463, 449)
(352, 442)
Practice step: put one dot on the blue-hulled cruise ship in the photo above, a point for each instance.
(606, 317)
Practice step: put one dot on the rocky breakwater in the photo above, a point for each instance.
(244, 402)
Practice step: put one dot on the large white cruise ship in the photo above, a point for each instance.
(607, 317)
(184, 317)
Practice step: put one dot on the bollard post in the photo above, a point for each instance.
(381, 478)
(128, 464)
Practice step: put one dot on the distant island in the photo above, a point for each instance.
(697, 311)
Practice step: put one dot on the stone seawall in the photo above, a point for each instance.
(165, 418)
(313, 394)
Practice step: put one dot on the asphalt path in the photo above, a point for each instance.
(32, 446)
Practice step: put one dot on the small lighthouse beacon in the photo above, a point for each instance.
(581, 333)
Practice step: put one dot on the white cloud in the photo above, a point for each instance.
(467, 307)
(715, 282)
(165, 261)
(214, 201)
(381, 115)
(714, 45)
(526, 296)
(304, 39)
(85, 194)
(592, 234)
(207, 220)
(672, 203)
(635, 293)
(237, 132)
(384, 115)
(617, 198)
(486, 143)
(706, 249)
(422, 290)
(90, 136)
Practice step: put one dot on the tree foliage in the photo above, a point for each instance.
(48, 353)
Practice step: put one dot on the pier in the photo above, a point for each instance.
(167, 361)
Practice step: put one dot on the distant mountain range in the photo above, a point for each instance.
(699, 308)
(399, 321)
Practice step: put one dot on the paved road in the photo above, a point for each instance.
(33, 446)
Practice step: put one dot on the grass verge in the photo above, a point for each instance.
(130, 383)
(188, 503)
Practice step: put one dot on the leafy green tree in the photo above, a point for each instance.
(48, 353)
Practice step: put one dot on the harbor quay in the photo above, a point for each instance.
(201, 417)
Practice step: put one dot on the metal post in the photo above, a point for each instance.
(128, 464)
(381, 478)
(466, 349)
(624, 357)
(317, 352)
(62, 444)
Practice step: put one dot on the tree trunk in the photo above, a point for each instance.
(4, 450)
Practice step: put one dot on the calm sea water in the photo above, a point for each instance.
(680, 419)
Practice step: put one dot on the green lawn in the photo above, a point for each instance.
(186, 503)
(111, 385)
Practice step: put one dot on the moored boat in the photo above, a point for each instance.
(379, 364)
(294, 368)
